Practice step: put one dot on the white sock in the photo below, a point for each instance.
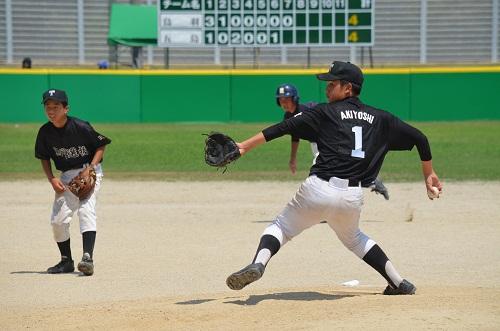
(392, 273)
(263, 256)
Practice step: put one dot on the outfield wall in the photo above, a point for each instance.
(135, 96)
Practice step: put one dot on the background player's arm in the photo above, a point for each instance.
(292, 164)
(56, 183)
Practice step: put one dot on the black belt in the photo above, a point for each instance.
(352, 182)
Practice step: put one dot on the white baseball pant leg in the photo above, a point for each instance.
(332, 201)
(66, 204)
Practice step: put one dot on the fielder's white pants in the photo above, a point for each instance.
(334, 202)
(66, 204)
(315, 151)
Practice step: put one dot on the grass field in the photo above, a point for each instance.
(461, 151)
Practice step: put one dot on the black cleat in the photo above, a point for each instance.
(245, 276)
(405, 288)
(64, 266)
(86, 265)
(379, 188)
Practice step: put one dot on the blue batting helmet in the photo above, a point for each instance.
(287, 90)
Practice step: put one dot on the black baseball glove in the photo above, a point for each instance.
(379, 188)
(220, 150)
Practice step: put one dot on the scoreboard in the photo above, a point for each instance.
(264, 23)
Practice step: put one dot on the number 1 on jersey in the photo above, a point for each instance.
(358, 142)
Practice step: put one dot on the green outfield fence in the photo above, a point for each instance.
(140, 96)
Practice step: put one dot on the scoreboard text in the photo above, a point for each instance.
(261, 23)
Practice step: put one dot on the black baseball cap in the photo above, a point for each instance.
(343, 71)
(53, 94)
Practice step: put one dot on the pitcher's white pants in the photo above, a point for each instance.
(66, 204)
(331, 201)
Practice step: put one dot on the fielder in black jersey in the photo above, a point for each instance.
(287, 97)
(353, 139)
(74, 146)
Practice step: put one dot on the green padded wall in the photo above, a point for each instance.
(21, 97)
(135, 96)
(388, 92)
(185, 98)
(253, 96)
(100, 97)
(455, 96)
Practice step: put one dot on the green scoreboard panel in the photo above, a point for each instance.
(261, 23)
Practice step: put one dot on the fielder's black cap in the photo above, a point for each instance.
(343, 71)
(56, 95)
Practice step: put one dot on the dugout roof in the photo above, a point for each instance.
(133, 25)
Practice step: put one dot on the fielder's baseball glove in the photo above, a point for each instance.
(220, 150)
(83, 183)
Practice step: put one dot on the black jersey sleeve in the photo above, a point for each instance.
(303, 124)
(41, 150)
(94, 138)
(404, 136)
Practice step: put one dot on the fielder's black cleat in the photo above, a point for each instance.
(64, 266)
(405, 288)
(379, 188)
(86, 265)
(245, 276)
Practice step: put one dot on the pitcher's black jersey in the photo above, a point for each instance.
(71, 146)
(300, 108)
(352, 138)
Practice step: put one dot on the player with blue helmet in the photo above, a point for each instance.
(287, 91)
(287, 97)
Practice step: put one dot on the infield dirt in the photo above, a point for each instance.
(164, 250)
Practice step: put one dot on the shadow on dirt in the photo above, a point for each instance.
(294, 296)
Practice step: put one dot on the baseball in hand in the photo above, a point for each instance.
(434, 193)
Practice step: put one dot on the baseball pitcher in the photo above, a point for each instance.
(353, 139)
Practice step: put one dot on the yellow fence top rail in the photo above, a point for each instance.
(214, 72)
